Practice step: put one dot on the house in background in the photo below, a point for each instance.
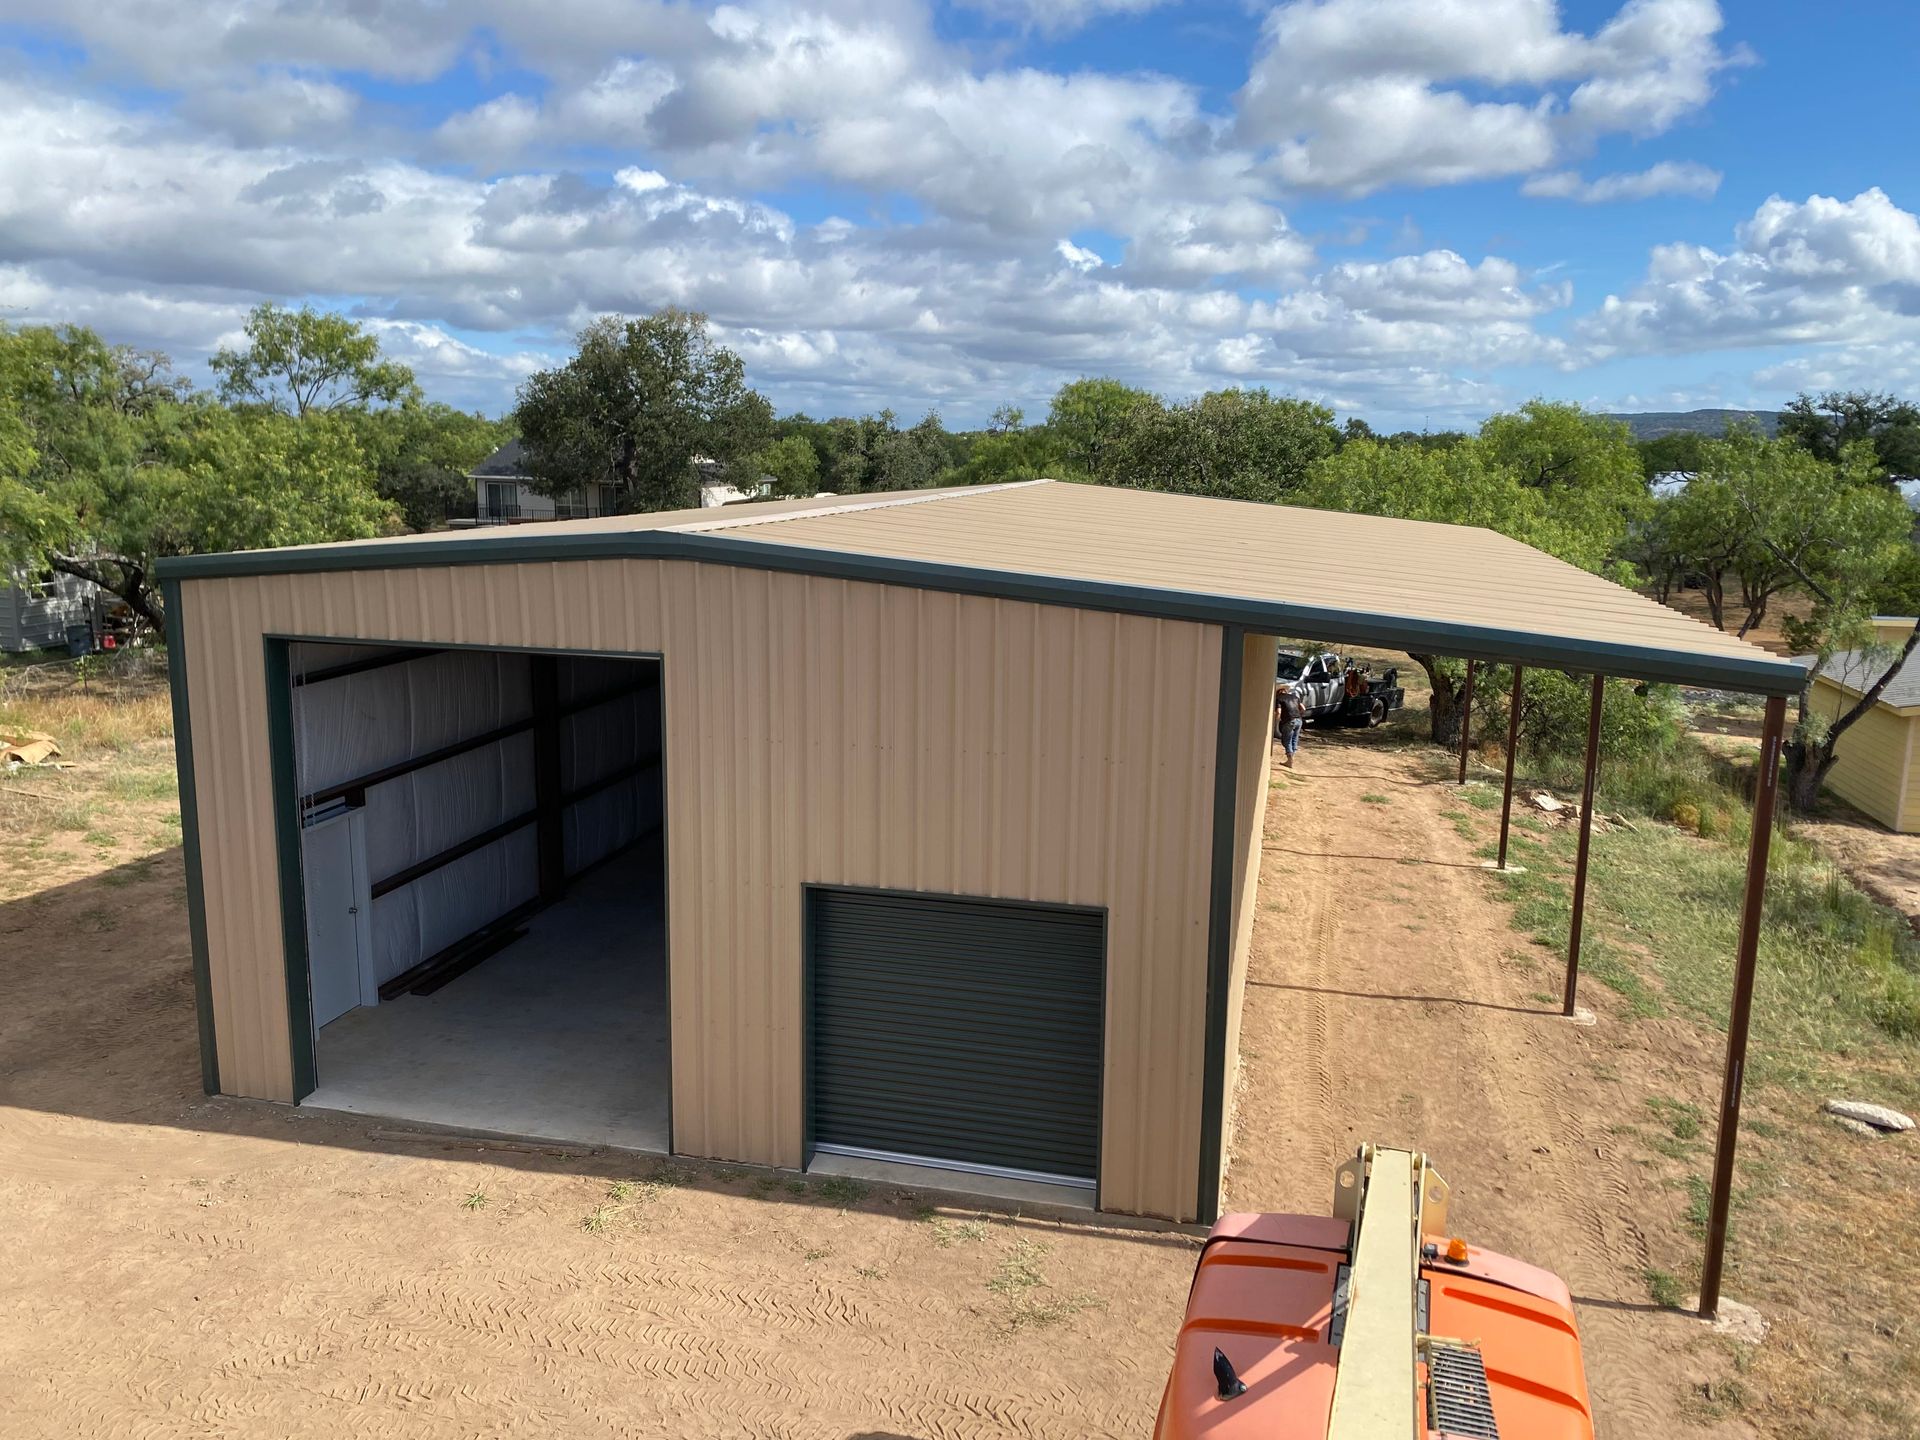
(1874, 769)
(503, 492)
(35, 610)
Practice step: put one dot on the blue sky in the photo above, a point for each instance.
(1419, 211)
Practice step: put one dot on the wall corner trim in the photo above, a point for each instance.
(1226, 764)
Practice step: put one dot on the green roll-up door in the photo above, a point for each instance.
(954, 1030)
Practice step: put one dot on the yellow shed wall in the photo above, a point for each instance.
(817, 731)
(1871, 771)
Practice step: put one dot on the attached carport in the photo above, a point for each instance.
(1036, 694)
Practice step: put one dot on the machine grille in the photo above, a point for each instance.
(1458, 1400)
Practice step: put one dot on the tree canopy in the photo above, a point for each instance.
(121, 466)
(1825, 426)
(640, 400)
(305, 361)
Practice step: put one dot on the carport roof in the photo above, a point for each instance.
(1405, 584)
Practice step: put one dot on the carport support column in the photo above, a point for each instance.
(1466, 719)
(1766, 786)
(549, 828)
(1513, 744)
(1586, 842)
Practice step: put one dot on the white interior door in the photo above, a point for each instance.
(337, 955)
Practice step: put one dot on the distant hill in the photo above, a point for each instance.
(1652, 424)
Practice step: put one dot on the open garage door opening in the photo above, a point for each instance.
(484, 888)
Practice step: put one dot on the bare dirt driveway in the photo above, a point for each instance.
(179, 1265)
(1389, 999)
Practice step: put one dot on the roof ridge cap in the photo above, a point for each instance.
(850, 507)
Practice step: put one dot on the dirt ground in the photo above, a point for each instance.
(1390, 1001)
(1885, 865)
(181, 1265)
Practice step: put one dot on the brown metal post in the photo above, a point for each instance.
(1513, 744)
(1466, 720)
(1586, 842)
(1750, 910)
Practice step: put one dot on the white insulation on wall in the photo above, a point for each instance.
(355, 724)
(601, 740)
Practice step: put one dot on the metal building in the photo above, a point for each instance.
(913, 828)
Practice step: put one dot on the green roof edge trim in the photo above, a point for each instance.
(1761, 675)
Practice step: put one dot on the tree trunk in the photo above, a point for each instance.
(1807, 768)
(1443, 711)
(1807, 765)
(129, 584)
(1716, 603)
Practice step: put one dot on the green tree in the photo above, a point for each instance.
(1232, 444)
(1585, 466)
(1460, 485)
(1681, 453)
(1652, 547)
(310, 361)
(1772, 517)
(1030, 454)
(1427, 439)
(121, 469)
(792, 463)
(422, 453)
(1825, 426)
(1087, 415)
(638, 402)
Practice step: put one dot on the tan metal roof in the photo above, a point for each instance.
(1366, 572)
(1408, 584)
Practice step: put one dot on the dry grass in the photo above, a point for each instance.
(113, 799)
(1824, 1238)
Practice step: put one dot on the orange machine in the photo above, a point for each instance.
(1372, 1324)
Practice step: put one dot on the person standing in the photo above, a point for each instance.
(1290, 717)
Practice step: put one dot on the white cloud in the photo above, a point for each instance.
(1669, 177)
(108, 214)
(274, 109)
(1819, 272)
(1355, 95)
(1078, 256)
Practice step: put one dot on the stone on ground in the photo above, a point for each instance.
(1878, 1116)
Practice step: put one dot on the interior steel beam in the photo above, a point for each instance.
(1766, 786)
(1513, 745)
(1466, 719)
(1586, 842)
(548, 801)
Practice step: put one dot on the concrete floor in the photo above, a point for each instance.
(562, 1035)
(932, 1175)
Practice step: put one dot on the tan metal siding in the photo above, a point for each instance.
(1253, 773)
(1870, 766)
(818, 731)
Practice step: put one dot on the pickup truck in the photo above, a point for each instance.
(1337, 690)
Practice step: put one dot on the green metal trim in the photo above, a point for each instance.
(1760, 675)
(293, 895)
(1226, 774)
(190, 835)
